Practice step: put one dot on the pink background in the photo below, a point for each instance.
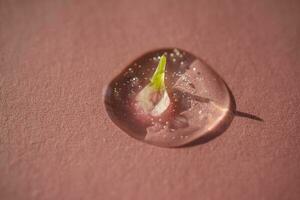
(57, 141)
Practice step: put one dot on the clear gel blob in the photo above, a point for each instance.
(200, 100)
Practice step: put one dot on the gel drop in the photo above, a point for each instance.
(200, 103)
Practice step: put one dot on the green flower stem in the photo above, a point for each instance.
(158, 78)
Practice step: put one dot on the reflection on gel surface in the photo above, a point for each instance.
(169, 98)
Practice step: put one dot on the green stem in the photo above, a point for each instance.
(158, 78)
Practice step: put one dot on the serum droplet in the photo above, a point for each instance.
(200, 103)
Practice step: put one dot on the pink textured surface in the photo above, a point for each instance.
(57, 142)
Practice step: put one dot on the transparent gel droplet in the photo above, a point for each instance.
(200, 100)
